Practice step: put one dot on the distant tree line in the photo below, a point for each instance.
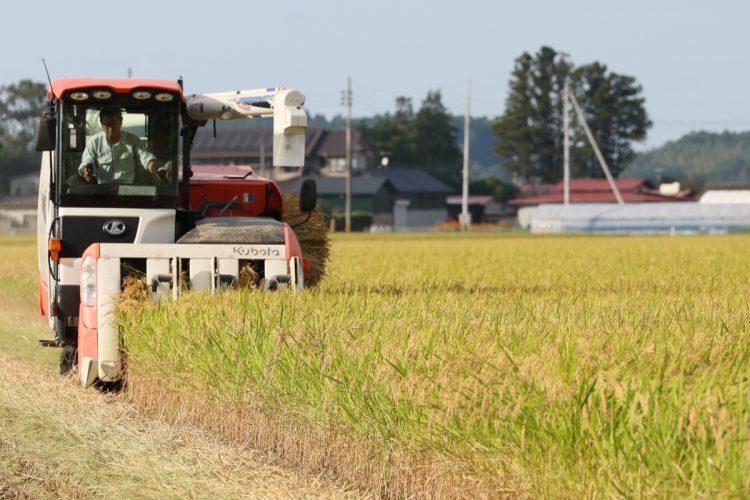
(523, 144)
(483, 162)
(431, 139)
(528, 136)
(20, 103)
(425, 139)
(698, 158)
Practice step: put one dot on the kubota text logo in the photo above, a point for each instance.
(114, 227)
(256, 251)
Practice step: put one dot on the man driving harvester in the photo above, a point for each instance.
(113, 155)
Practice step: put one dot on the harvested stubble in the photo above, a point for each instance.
(517, 365)
(134, 290)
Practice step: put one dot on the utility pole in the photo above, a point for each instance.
(566, 144)
(346, 97)
(464, 218)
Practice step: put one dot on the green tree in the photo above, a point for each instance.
(20, 103)
(426, 139)
(529, 133)
(498, 189)
(392, 135)
(615, 111)
(435, 140)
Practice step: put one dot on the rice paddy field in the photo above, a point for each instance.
(477, 365)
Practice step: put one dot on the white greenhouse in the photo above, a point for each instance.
(640, 218)
(726, 197)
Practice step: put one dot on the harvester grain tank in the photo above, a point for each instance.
(156, 221)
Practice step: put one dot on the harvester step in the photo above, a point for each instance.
(50, 343)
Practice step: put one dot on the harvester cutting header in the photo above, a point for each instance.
(115, 201)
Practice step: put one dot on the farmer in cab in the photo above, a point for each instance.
(113, 155)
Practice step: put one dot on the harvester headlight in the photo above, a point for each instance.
(88, 281)
(79, 96)
(164, 97)
(141, 95)
(102, 94)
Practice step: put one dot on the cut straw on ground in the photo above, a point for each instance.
(58, 440)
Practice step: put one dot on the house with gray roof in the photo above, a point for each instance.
(395, 197)
(325, 151)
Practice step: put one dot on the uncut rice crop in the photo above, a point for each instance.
(531, 365)
(20, 322)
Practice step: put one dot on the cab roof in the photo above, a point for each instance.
(119, 85)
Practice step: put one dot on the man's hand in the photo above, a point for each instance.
(87, 173)
(162, 171)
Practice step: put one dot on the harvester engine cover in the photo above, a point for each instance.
(236, 230)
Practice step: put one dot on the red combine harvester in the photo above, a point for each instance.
(113, 203)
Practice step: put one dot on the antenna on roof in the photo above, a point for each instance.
(47, 71)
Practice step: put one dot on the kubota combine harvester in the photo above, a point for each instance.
(114, 203)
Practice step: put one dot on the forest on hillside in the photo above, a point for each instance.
(702, 157)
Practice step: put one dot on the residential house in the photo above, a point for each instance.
(325, 151)
(418, 199)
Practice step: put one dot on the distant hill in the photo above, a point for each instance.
(699, 156)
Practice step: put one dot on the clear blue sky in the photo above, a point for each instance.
(690, 56)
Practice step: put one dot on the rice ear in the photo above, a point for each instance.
(312, 236)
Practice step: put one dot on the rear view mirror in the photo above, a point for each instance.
(308, 196)
(44, 133)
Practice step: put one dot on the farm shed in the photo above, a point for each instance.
(398, 198)
(632, 190)
(418, 198)
(640, 218)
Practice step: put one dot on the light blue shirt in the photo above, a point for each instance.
(115, 162)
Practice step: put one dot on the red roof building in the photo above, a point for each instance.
(632, 190)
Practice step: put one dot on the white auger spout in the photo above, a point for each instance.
(284, 105)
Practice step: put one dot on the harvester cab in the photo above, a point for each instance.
(119, 197)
